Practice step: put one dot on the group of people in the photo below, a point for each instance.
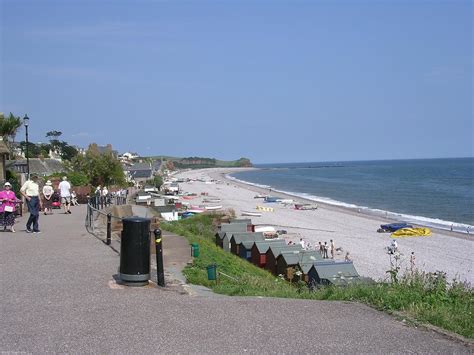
(64, 195)
(105, 195)
(35, 202)
(324, 249)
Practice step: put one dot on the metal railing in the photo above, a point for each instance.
(95, 207)
(101, 202)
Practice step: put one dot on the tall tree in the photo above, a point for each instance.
(34, 150)
(8, 128)
(101, 169)
(67, 151)
(53, 135)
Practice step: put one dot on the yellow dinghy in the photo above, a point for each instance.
(411, 232)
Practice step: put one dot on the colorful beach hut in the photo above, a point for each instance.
(247, 221)
(259, 251)
(274, 251)
(245, 250)
(307, 260)
(228, 228)
(237, 239)
(332, 273)
(287, 263)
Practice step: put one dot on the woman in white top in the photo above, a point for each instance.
(47, 194)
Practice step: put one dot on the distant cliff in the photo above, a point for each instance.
(199, 163)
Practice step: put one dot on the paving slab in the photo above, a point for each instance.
(58, 294)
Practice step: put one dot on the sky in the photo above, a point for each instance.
(273, 81)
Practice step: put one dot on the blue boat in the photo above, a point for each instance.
(392, 227)
(272, 199)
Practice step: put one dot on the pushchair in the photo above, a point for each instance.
(56, 200)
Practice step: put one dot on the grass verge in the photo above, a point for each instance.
(427, 298)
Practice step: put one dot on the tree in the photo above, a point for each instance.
(78, 179)
(158, 181)
(34, 150)
(67, 151)
(54, 134)
(8, 128)
(101, 169)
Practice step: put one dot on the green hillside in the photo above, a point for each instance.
(201, 162)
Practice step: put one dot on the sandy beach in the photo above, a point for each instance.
(353, 232)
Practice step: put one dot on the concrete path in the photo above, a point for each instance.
(58, 295)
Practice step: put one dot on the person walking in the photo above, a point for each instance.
(325, 250)
(65, 191)
(47, 197)
(8, 207)
(30, 190)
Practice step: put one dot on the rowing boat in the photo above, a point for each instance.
(252, 214)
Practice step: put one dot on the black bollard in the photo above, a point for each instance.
(109, 228)
(159, 258)
(88, 217)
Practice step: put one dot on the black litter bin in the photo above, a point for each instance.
(135, 251)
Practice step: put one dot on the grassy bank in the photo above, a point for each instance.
(426, 298)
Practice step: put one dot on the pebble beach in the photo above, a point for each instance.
(353, 232)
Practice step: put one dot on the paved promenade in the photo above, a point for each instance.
(58, 295)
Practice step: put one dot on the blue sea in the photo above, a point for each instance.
(431, 192)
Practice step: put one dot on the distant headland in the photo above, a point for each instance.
(201, 163)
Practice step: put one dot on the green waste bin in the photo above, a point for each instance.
(212, 272)
(195, 250)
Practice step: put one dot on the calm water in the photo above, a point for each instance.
(434, 192)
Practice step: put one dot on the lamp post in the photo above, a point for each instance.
(26, 122)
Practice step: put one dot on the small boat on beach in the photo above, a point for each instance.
(392, 227)
(411, 232)
(272, 199)
(212, 208)
(188, 197)
(306, 206)
(264, 229)
(193, 210)
(260, 196)
(212, 200)
(251, 214)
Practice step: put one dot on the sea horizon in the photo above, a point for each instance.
(257, 165)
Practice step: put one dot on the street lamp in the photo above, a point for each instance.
(26, 122)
